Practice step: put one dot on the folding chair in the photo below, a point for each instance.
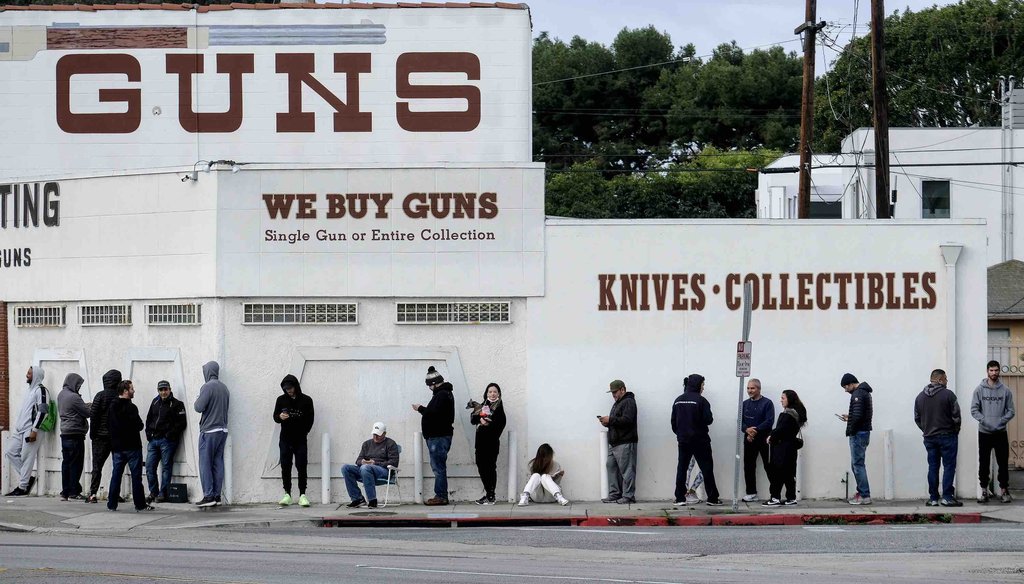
(392, 479)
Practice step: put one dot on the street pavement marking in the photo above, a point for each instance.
(909, 527)
(506, 575)
(823, 528)
(585, 530)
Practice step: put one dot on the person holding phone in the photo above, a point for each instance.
(294, 411)
(490, 423)
(858, 431)
(622, 441)
(546, 473)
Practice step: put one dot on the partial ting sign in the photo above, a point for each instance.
(743, 359)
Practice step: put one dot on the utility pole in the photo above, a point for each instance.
(810, 30)
(881, 107)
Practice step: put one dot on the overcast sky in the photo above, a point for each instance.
(705, 23)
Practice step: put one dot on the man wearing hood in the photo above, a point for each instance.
(165, 422)
(858, 430)
(100, 432)
(74, 423)
(23, 445)
(992, 407)
(438, 417)
(691, 418)
(124, 423)
(294, 411)
(622, 440)
(937, 414)
(213, 433)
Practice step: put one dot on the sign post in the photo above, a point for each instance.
(742, 371)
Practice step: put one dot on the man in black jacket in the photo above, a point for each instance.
(622, 440)
(438, 417)
(164, 424)
(125, 424)
(99, 432)
(294, 411)
(691, 416)
(858, 430)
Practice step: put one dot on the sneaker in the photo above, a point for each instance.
(63, 498)
(206, 502)
(692, 498)
(750, 498)
(561, 500)
(932, 503)
(216, 500)
(985, 495)
(150, 498)
(285, 500)
(92, 499)
(31, 483)
(160, 499)
(610, 499)
(491, 500)
(791, 502)
(482, 500)
(17, 492)
(372, 504)
(146, 508)
(858, 500)
(75, 497)
(435, 502)
(714, 503)
(772, 502)
(681, 503)
(304, 500)
(950, 503)
(626, 500)
(1005, 496)
(524, 500)
(356, 503)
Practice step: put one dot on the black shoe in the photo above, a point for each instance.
(160, 499)
(355, 504)
(92, 498)
(17, 492)
(610, 499)
(482, 500)
(77, 497)
(771, 502)
(372, 504)
(207, 502)
(715, 502)
(490, 500)
(216, 500)
(146, 508)
(121, 499)
(950, 503)
(31, 483)
(150, 498)
(790, 502)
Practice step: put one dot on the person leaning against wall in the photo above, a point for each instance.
(213, 403)
(992, 407)
(858, 431)
(23, 443)
(74, 424)
(490, 421)
(165, 422)
(294, 411)
(99, 432)
(622, 441)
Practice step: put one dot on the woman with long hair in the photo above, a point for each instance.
(544, 472)
(784, 444)
(490, 422)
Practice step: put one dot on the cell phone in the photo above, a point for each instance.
(599, 416)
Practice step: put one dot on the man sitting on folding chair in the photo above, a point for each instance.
(378, 459)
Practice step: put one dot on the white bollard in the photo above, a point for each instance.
(799, 477)
(226, 487)
(890, 465)
(325, 468)
(417, 460)
(513, 468)
(5, 476)
(601, 460)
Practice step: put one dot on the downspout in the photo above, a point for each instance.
(950, 255)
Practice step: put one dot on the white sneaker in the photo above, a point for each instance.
(692, 499)
(750, 498)
(561, 500)
(524, 500)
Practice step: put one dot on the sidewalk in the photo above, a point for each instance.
(49, 514)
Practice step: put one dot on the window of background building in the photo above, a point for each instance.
(825, 210)
(935, 199)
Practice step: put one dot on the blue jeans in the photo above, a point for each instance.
(160, 450)
(858, 446)
(367, 474)
(211, 462)
(438, 448)
(942, 447)
(133, 459)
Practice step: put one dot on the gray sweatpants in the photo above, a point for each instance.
(22, 455)
(621, 465)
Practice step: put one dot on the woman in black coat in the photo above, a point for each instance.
(784, 444)
(490, 423)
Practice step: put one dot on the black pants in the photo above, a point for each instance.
(288, 450)
(782, 472)
(701, 451)
(100, 454)
(72, 449)
(487, 463)
(999, 442)
(751, 450)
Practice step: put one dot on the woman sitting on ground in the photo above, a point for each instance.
(545, 472)
(784, 444)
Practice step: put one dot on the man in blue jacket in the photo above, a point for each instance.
(758, 417)
(691, 416)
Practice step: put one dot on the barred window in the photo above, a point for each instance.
(453, 312)
(174, 314)
(40, 316)
(294, 313)
(105, 314)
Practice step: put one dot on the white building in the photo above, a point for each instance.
(356, 259)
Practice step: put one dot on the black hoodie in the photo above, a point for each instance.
(859, 418)
(166, 419)
(691, 413)
(300, 412)
(124, 424)
(439, 414)
(101, 405)
(936, 411)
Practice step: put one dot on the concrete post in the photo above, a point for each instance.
(890, 465)
(513, 467)
(226, 489)
(325, 468)
(950, 255)
(417, 463)
(601, 459)
(5, 468)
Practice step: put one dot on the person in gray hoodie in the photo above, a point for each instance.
(992, 407)
(937, 414)
(23, 443)
(213, 433)
(74, 423)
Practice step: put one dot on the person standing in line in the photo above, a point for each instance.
(23, 444)
(992, 407)
(74, 424)
(438, 418)
(858, 430)
(165, 422)
(100, 433)
(213, 433)
(758, 415)
(490, 423)
(937, 414)
(622, 445)
(125, 424)
(691, 418)
(375, 459)
(785, 444)
(546, 473)
(294, 411)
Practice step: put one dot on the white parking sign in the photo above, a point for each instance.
(743, 359)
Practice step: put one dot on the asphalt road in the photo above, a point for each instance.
(794, 555)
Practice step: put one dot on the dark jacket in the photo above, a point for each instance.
(936, 411)
(166, 419)
(384, 454)
(859, 417)
(439, 414)
(101, 405)
(214, 400)
(622, 421)
(74, 414)
(125, 424)
(783, 438)
(491, 433)
(759, 414)
(691, 416)
(300, 412)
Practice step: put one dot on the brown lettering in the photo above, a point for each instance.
(440, 204)
(185, 66)
(437, 121)
(335, 206)
(823, 299)
(300, 68)
(278, 206)
(381, 200)
(644, 303)
(628, 292)
(357, 204)
(755, 290)
(105, 123)
(769, 302)
(488, 205)
(700, 299)
(892, 301)
(465, 205)
(910, 301)
(876, 295)
(678, 291)
(607, 297)
(660, 290)
(843, 280)
(803, 287)
(928, 285)
(306, 210)
(859, 277)
(732, 301)
(415, 206)
(787, 301)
